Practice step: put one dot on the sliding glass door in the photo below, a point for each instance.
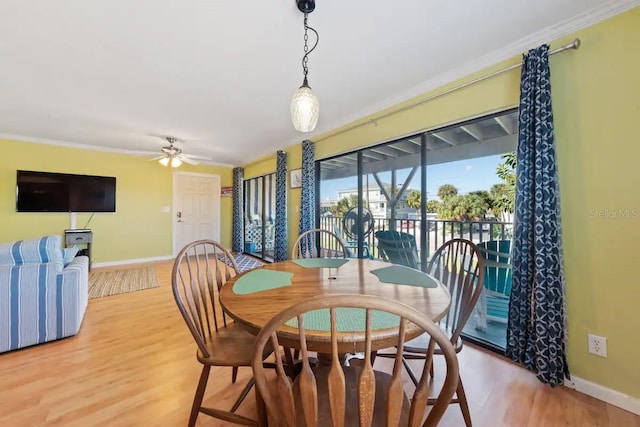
(426, 189)
(260, 211)
(371, 191)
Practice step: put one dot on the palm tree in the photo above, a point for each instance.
(344, 204)
(447, 190)
(504, 194)
(433, 206)
(414, 199)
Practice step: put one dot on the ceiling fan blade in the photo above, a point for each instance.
(157, 158)
(188, 160)
(195, 156)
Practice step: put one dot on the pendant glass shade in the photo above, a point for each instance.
(164, 161)
(175, 162)
(304, 109)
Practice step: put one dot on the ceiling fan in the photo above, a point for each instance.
(172, 155)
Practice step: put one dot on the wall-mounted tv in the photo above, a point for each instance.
(63, 192)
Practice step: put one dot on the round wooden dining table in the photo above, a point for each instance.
(253, 310)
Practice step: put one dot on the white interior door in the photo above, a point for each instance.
(196, 208)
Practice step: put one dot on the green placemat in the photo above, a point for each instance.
(401, 275)
(261, 280)
(321, 262)
(347, 320)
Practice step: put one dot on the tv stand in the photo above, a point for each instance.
(82, 236)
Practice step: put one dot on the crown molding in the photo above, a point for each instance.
(91, 147)
(60, 143)
(509, 51)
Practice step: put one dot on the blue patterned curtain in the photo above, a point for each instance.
(270, 196)
(280, 239)
(247, 200)
(536, 334)
(237, 239)
(308, 193)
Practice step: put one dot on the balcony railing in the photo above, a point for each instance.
(438, 231)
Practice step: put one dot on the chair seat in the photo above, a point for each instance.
(230, 346)
(351, 375)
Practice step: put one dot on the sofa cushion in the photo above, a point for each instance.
(68, 254)
(42, 249)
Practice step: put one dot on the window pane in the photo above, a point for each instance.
(469, 194)
(259, 203)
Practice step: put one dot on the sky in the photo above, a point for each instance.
(465, 175)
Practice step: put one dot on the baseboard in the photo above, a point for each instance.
(131, 261)
(613, 397)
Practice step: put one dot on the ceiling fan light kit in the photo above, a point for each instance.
(305, 107)
(172, 155)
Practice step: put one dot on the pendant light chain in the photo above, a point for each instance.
(307, 51)
(305, 58)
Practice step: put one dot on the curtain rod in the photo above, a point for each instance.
(575, 44)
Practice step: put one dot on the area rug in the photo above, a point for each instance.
(106, 283)
(245, 262)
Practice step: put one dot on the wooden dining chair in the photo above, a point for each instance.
(347, 395)
(199, 271)
(458, 264)
(318, 243)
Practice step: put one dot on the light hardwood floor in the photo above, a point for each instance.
(133, 364)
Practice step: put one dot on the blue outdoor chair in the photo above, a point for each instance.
(494, 301)
(352, 245)
(398, 248)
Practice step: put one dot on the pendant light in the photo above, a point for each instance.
(304, 104)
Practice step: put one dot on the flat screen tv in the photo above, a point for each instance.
(63, 192)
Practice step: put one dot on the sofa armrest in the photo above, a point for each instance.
(78, 269)
(29, 304)
(75, 278)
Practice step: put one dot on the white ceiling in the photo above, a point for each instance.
(220, 74)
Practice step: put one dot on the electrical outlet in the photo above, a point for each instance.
(597, 345)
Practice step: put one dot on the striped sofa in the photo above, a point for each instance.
(40, 299)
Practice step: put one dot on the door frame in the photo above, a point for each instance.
(261, 255)
(174, 224)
